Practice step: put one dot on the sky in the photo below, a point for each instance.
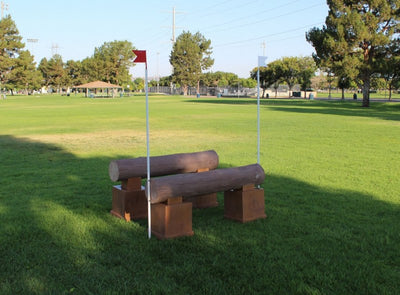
(238, 29)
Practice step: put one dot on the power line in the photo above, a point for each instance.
(252, 15)
(212, 6)
(269, 35)
(268, 19)
(228, 9)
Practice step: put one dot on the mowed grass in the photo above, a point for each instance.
(331, 196)
(337, 93)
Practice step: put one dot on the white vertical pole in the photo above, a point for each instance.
(258, 113)
(148, 154)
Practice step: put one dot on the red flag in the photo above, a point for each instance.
(140, 56)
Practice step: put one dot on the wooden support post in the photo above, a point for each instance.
(129, 200)
(203, 201)
(245, 204)
(171, 219)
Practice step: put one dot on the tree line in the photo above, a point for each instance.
(287, 70)
(110, 63)
(359, 46)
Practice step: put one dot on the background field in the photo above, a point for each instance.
(331, 194)
(384, 95)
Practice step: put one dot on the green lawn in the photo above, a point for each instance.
(332, 196)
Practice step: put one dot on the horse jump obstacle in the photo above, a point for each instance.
(171, 217)
(129, 199)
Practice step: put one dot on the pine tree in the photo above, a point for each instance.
(189, 57)
(10, 47)
(356, 37)
(24, 74)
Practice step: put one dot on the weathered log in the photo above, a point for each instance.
(195, 184)
(162, 165)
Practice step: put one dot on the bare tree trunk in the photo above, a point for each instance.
(185, 90)
(198, 87)
(365, 91)
(342, 93)
(390, 91)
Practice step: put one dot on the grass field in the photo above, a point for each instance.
(332, 195)
(349, 95)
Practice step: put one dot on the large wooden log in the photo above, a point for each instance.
(162, 165)
(195, 184)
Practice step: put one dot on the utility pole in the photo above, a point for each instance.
(173, 25)
(263, 45)
(4, 6)
(54, 49)
(174, 13)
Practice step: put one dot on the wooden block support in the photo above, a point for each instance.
(132, 184)
(129, 204)
(203, 201)
(244, 205)
(171, 219)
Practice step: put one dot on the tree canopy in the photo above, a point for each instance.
(357, 37)
(113, 60)
(12, 60)
(190, 55)
(290, 70)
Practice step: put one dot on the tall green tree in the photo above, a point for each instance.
(53, 72)
(267, 76)
(24, 74)
(306, 72)
(290, 68)
(90, 70)
(44, 70)
(10, 47)
(73, 73)
(389, 68)
(356, 36)
(112, 61)
(190, 55)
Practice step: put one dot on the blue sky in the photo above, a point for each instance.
(236, 28)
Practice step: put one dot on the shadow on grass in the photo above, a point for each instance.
(57, 236)
(386, 111)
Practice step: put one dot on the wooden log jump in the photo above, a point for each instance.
(204, 183)
(129, 199)
(163, 165)
(171, 217)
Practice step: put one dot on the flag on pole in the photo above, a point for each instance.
(141, 58)
(262, 61)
